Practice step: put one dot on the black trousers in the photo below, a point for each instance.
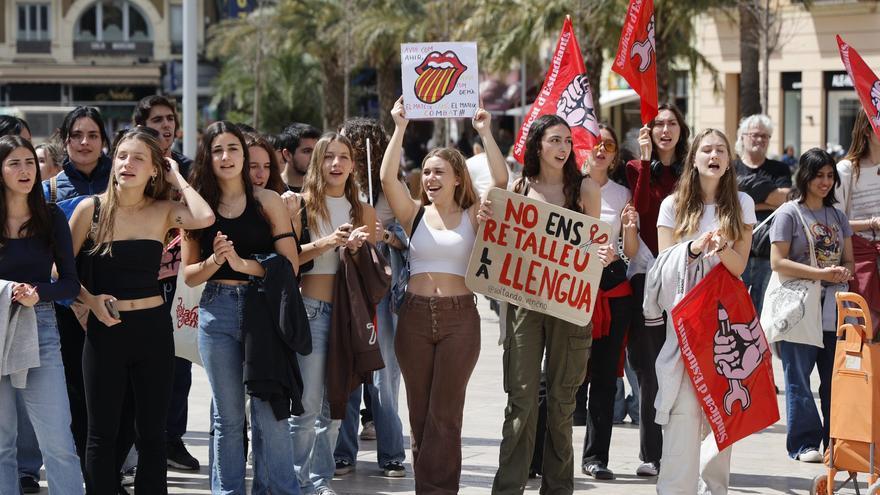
(604, 362)
(644, 346)
(72, 339)
(137, 353)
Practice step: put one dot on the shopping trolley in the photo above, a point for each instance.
(855, 400)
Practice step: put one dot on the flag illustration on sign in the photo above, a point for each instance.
(864, 80)
(636, 59)
(566, 92)
(438, 75)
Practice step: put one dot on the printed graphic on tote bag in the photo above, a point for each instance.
(789, 301)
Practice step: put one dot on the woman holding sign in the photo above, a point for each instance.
(663, 146)
(715, 220)
(614, 306)
(550, 174)
(438, 334)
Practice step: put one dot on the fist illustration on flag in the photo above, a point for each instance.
(572, 104)
(437, 76)
(875, 99)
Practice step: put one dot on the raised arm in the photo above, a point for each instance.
(482, 123)
(194, 212)
(591, 197)
(402, 205)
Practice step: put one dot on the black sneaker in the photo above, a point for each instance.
(29, 485)
(179, 457)
(598, 471)
(343, 467)
(393, 469)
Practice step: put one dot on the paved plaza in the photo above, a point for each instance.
(760, 464)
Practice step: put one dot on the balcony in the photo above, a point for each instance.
(140, 49)
(30, 47)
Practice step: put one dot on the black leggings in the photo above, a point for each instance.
(138, 353)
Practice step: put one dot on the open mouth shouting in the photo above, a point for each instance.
(438, 75)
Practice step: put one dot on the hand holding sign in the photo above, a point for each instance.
(539, 256)
(398, 114)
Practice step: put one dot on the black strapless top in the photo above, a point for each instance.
(131, 271)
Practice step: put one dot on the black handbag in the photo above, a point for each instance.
(85, 260)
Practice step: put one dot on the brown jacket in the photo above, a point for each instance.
(353, 349)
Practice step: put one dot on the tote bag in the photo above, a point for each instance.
(185, 319)
(792, 306)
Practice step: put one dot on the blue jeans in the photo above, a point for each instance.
(384, 392)
(627, 405)
(313, 432)
(45, 402)
(806, 430)
(756, 277)
(221, 346)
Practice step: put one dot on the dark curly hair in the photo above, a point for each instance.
(358, 130)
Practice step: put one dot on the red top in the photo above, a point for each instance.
(647, 196)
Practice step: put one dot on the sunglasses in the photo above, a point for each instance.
(607, 145)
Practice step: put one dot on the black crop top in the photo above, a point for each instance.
(250, 234)
(131, 271)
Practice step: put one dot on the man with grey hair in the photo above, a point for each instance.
(768, 182)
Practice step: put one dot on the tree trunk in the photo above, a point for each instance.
(593, 59)
(387, 79)
(766, 50)
(662, 54)
(749, 49)
(333, 86)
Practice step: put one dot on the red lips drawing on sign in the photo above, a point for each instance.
(438, 75)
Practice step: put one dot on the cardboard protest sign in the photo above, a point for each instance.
(726, 357)
(538, 256)
(440, 80)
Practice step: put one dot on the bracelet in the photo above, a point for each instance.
(691, 254)
(214, 259)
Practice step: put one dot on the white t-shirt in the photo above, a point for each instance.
(614, 198)
(859, 199)
(708, 221)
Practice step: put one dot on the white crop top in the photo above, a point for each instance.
(442, 251)
(340, 213)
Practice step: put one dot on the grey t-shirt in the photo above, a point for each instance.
(829, 227)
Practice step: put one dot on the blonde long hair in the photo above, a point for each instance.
(689, 196)
(314, 186)
(156, 189)
(861, 142)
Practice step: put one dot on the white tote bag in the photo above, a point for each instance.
(792, 309)
(185, 320)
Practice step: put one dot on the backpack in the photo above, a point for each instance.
(398, 288)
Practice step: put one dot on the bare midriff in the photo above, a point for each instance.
(318, 287)
(433, 284)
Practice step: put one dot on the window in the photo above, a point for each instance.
(33, 22)
(113, 20)
(176, 28)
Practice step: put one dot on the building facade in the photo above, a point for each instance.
(56, 54)
(811, 99)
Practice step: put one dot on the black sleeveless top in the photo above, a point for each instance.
(250, 234)
(131, 271)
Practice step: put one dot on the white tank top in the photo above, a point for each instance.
(442, 251)
(340, 213)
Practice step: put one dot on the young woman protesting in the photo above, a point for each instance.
(609, 327)
(715, 220)
(247, 222)
(34, 236)
(550, 174)
(336, 218)
(831, 235)
(663, 146)
(438, 338)
(384, 391)
(123, 231)
(859, 194)
(263, 164)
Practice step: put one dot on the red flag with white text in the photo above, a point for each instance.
(636, 58)
(864, 80)
(566, 93)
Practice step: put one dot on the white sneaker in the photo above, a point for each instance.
(810, 455)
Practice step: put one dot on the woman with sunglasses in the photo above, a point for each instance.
(614, 305)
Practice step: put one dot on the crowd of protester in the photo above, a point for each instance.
(326, 281)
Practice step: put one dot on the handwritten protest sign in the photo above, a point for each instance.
(440, 80)
(538, 256)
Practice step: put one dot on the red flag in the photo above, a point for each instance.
(865, 81)
(566, 93)
(726, 356)
(636, 59)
